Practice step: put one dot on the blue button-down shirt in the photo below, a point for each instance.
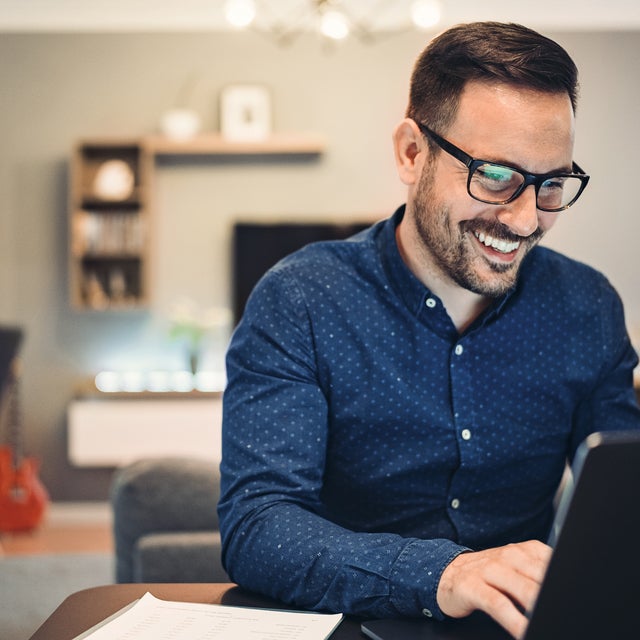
(366, 442)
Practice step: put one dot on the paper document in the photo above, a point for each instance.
(153, 619)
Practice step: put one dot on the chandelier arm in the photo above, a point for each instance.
(363, 25)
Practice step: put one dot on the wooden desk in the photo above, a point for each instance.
(81, 610)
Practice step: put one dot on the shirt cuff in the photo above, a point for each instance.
(416, 575)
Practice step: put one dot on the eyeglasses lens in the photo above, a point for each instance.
(497, 184)
(559, 192)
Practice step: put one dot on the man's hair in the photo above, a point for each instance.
(489, 52)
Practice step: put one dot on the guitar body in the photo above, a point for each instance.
(23, 498)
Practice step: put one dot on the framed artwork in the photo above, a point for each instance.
(245, 113)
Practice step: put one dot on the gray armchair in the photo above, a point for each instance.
(165, 521)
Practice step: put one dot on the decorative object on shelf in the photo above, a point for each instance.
(180, 124)
(245, 113)
(109, 286)
(94, 294)
(114, 180)
(333, 19)
(193, 325)
(118, 293)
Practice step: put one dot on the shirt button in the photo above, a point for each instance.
(458, 350)
(431, 303)
(466, 434)
(455, 503)
(427, 613)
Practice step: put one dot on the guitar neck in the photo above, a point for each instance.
(13, 414)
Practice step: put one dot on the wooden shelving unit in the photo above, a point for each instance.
(109, 247)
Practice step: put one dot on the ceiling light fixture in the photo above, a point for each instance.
(334, 24)
(333, 19)
(426, 13)
(240, 13)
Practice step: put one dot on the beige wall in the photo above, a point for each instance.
(55, 88)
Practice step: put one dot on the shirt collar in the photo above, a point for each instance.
(413, 293)
(407, 286)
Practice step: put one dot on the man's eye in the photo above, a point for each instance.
(553, 183)
(497, 174)
(496, 178)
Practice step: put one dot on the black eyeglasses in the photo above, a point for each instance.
(500, 184)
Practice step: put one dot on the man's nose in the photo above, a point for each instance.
(521, 215)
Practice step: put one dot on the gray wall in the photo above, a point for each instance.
(55, 88)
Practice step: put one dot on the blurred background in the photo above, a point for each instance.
(103, 73)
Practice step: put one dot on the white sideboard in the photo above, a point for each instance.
(106, 431)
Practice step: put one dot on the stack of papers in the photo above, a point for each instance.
(152, 619)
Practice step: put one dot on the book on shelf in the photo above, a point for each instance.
(108, 233)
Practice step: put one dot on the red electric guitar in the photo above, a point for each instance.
(23, 498)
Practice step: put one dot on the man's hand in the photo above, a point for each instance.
(498, 581)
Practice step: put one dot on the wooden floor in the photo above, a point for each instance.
(66, 528)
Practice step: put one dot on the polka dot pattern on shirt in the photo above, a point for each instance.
(366, 442)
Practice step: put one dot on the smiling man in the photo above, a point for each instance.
(401, 405)
(470, 223)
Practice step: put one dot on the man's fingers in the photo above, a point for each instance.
(519, 573)
(497, 581)
(535, 561)
(517, 587)
(501, 608)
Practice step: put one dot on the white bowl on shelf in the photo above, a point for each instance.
(180, 124)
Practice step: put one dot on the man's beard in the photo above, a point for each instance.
(450, 247)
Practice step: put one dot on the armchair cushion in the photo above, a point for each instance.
(165, 521)
(190, 556)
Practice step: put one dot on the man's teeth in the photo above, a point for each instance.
(499, 245)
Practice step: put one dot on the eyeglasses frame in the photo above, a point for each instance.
(536, 179)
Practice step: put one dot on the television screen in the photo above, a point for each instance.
(258, 246)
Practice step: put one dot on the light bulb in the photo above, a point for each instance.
(182, 381)
(158, 381)
(240, 13)
(132, 381)
(108, 381)
(426, 13)
(334, 25)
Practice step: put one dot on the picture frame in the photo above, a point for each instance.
(245, 113)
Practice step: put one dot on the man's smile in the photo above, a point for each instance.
(501, 246)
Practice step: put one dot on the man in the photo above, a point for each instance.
(401, 405)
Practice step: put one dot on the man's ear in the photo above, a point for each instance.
(410, 151)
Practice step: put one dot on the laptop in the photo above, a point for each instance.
(591, 590)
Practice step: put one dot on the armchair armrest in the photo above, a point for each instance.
(160, 496)
(189, 556)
